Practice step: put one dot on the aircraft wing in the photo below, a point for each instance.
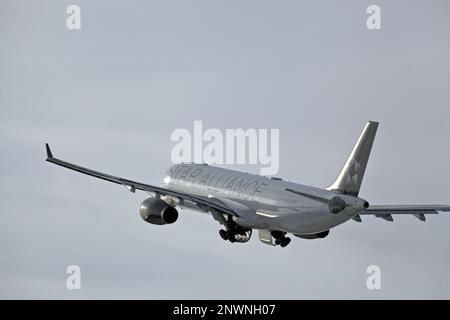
(419, 211)
(204, 203)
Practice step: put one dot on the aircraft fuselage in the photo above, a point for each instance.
(276, 208)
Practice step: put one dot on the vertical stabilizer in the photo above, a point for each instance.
(350, 178)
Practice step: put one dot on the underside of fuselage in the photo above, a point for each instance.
(302, 223)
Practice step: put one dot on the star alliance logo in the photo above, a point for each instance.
(352, 177)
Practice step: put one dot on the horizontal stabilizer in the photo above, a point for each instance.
(419, 211)
(311, 196)
(336, 204)
(405, 209)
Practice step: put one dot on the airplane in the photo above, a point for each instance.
(242, 202)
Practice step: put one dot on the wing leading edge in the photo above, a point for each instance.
(206, 204)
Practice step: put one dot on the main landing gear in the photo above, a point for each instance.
(280, 238)
(234, 232)
(227, 235)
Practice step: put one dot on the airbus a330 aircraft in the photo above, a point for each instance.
(242, 202)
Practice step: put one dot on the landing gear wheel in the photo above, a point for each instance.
(230, 235)
(285, 242)
(223, 234)
(233, 232)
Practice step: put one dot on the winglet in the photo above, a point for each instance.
(49, 152)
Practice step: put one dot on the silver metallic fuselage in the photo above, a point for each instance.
(276, 208)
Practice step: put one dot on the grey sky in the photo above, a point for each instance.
(109, 95)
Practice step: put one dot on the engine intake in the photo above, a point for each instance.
(156, 211)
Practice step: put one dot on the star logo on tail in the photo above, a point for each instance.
(352, 176)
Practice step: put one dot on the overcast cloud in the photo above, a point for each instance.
(108, 96)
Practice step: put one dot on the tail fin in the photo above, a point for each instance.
(350, 178)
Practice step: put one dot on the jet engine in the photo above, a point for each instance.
(319, 235)
(156, 211)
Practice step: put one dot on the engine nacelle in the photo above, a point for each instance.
(156, 211)
(319, 235)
